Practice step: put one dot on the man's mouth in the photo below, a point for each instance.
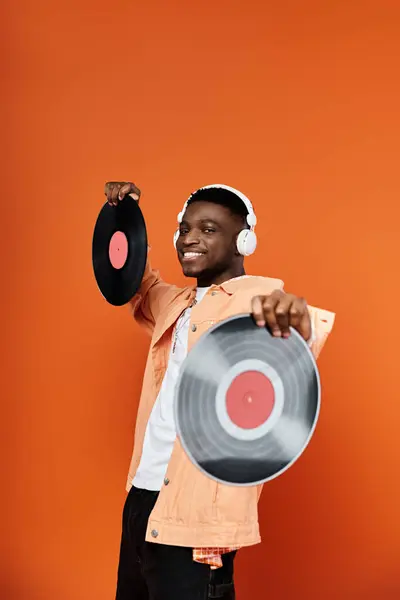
(189, 256)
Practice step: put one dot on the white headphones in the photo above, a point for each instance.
(246, 241)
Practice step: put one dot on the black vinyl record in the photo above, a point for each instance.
(246, 403)
(119, 250)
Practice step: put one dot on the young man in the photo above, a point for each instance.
(181, 530)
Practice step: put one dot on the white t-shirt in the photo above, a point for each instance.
(161, 432)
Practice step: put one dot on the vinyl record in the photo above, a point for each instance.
(246, 403)
(119, 250)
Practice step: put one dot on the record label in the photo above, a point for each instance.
(250, 399)
(118, 249)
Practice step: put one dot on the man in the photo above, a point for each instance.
(181, 530)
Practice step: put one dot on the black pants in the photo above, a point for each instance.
(150, 571)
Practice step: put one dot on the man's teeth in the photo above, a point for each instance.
(191, 254)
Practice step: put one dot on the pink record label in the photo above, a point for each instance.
(250, 399)
(118, 250)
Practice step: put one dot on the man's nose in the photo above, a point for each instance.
(191, 238)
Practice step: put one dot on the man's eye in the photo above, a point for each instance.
(209, 230)
(183, 231)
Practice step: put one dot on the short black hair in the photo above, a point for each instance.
(223, 197)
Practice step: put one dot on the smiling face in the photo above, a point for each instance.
(206, 245)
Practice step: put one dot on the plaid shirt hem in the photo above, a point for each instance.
(211, 556)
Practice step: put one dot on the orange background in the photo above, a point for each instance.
(296, 104)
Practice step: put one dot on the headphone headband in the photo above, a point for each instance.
(251, 217)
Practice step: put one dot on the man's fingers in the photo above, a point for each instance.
(131, 189)
(135, 192)
(115, 193)
(117, 190)
(263, 311)
(282, 312)
(257, 310)
(124, 190)
(108, 191)
(297, 309)
(111, 190)
(269, 309)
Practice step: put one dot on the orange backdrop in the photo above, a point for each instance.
(295, 103)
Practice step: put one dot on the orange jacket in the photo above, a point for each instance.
(192, 509)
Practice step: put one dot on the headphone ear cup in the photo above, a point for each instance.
(246, 242)
(176, 235)
(251, 219)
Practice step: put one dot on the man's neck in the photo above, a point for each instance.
(208, 280)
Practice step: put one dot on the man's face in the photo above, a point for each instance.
(207, 242)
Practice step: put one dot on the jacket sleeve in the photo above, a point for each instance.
(152, 297)
(322, 324)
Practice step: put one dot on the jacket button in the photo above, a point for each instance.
(154, 533)
(214, 293)
(166, 481)
(194, 327)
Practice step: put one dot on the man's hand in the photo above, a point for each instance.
(279, 311)
(117, 190)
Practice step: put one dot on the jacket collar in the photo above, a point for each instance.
(230, 286)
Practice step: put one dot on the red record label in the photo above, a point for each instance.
(118, 249)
